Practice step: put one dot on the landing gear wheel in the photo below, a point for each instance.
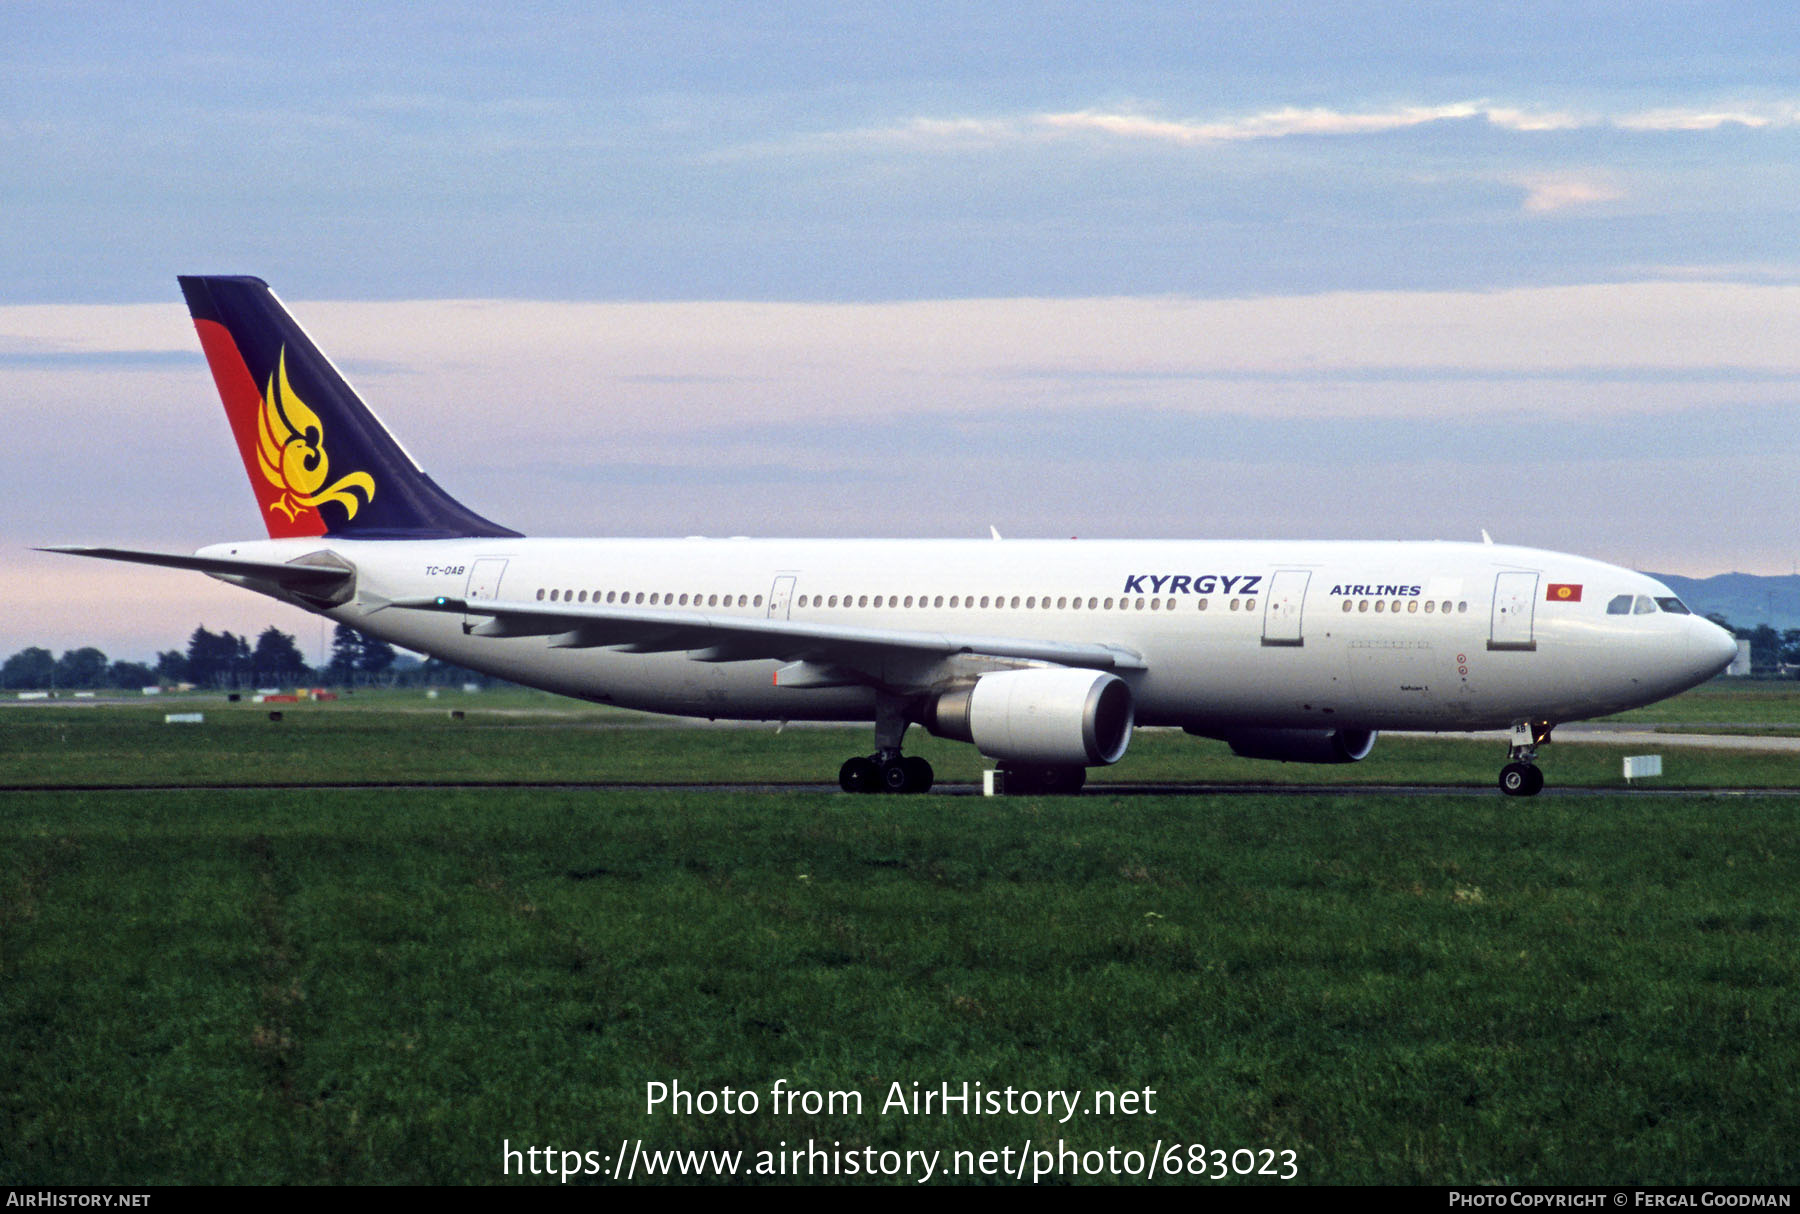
(872, 773)
(895, 777)
(1521, 780)
(1031, 779)
(859, 775)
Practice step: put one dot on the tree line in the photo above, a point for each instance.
(1771, 652)
(225, 661)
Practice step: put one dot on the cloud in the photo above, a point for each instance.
(1686, 119)
(1547, 193)
(1289, 122)
(1281, 123)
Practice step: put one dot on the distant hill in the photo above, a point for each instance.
(1746, 599)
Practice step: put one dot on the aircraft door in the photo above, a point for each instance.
(1515, 601)
(484, 582)
(1284, 606)
(781, 595)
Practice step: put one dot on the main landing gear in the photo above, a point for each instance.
(1038, 779)
(887, 770)
(886, 773)
(1521, 777)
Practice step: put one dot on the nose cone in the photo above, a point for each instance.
(1712, 648)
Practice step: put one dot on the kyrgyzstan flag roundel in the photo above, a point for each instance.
(1564, 592)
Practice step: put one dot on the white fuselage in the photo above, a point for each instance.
(1231, 634)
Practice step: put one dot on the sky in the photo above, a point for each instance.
(1165, 270)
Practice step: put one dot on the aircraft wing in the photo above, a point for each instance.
(295, 576)
(733, 638)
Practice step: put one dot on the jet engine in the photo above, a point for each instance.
(1052, 716)
(1301, 745)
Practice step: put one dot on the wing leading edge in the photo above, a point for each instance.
(729, 638)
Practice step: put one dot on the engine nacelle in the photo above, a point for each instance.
(1060, 716)
(1301, 745)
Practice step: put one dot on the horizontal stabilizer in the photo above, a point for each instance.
(296, 577)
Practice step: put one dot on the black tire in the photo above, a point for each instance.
(1521, 780)
(895, 777)
(918, 774)
(1038, 780)
(859, 775)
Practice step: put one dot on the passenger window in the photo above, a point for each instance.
(1412, 606)
(1380, 606)
(1430, 606)
(1346, 606)
(1203, 605)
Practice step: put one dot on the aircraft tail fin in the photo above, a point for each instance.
(319, 461)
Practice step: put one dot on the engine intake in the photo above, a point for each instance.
(1058, 716)
(1301, 745)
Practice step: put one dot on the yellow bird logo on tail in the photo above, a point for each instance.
(291, 443)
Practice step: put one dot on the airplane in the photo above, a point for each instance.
(1043, 654)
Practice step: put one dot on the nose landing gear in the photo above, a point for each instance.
(1521, 777)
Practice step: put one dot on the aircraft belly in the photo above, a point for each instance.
(1246, 683)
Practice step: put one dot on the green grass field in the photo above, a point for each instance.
(363, 985)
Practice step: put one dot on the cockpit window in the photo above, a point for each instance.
(1673, 606)
(1643, 606)
(1620, 605)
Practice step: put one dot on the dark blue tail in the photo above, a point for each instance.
(319, 461)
